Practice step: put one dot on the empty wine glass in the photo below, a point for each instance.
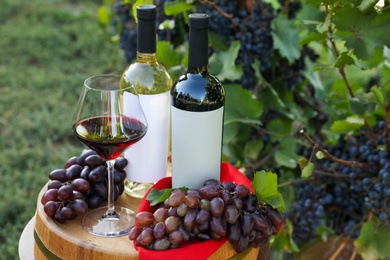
(109, 119)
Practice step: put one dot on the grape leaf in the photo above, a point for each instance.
(378, 95)
(248, 110)
(367, 6)
(286, 155)
(363, 33)
(222, 63)
(265, 185)
(177, 7)
(285, 38)
(284, 241)
(308, 170)
(166, 55)
(252, 149)
(373, 241)
(351, 123)
(357, 106)
(103, 15)
(344, 59)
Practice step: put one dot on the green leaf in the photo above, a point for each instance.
(378, 95)
(344, 59)
(265, 185)
(166, 55)
(285, 38)
(222, 63)
(323, 28)
(308, 170)
(241, 106)
(284, 241)
(177, 7)
(286, 154)
(313, 37)
(349, 124)
(323, 231)
(357, 106)
(103, 15)
(363, 33)
(252, 149)
(367, 6)
(157, 196)
(373, 242)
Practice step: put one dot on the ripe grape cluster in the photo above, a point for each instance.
(214, 211)
(81, 185)
(342, 196)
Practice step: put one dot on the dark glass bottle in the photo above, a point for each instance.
(197, 100)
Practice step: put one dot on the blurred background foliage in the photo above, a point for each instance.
(321, 66)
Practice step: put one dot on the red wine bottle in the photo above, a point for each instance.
(197, 100)
(148, 158)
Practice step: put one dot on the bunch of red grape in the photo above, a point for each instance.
(214, 211)
(81, 185)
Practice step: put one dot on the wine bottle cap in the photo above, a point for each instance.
(146, 38)
(146, 12)
(198, 20)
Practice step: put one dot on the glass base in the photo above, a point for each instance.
(137, 189)
(98, 223)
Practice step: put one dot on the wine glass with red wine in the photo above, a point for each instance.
(109, 119)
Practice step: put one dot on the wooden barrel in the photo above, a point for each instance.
(70, 241)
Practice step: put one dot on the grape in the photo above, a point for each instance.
(250, 203)
(241, 244)
(160, 215)
(49, 195)
(242, 191)
(59, 175)
(159, 230)
(80, 185)
(65, 192)
(175, 237)
(274, 216)
(85, 173)
(171, 224)
(161, 244)
(93, 161)
(212, 182)
(79, 206)
(73, 172)
(176, 198)
(146, 236)
(192, 201)
(120, 163)
(93, 201)
(218, 226)
(189, 219)
(67, 212)
(144, 218)
(226, 196)
(205, 204)
(81, 159)
(76, 195)
(237, 202)
(97, 174)
(54, 184)
(182, 209)
(234, 232)
(134, 232)
(50, 208)
(231, 214)
(119, 175)
(209, 191)
(70, 162)
(217, 206)
(100, 189)
(247, 224)
(202, 217)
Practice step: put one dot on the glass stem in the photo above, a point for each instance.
(110, 187)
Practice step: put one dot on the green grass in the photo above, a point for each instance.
(47, 49)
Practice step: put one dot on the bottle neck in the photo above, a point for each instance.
(146, 57)
(198, 49)
(146, 36)
(197, 69)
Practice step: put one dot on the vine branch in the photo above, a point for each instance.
(330, 156)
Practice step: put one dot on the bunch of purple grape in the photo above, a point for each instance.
(214, 211)
(81, 185)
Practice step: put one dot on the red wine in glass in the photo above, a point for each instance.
(93, 132)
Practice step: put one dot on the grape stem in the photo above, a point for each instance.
(330, 156)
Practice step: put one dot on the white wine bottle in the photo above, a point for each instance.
(148, 158)
(197, 100)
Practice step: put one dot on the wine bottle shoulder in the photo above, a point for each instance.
(148, 78)
(198, 92)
